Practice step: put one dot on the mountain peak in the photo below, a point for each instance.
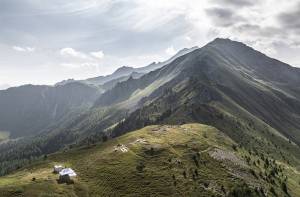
(222, 40)
(187, 49)
(123, 69)
(235, 48)
(226, 41)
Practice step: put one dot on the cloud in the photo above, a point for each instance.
(223, 17)
(290, 19)
(97, 54)
(170, 51)
(75, 65)
(23, 49)
(136, 33)
(16, 48)
(70, 65)
(236, 3)
(255, 30)
(78, 61)
(188, 38)
(70, 52)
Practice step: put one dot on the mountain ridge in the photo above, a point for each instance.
(220, 75)
(127, 70)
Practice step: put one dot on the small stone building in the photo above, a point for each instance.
(65, 175)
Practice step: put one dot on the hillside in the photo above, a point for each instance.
(254, 99)
(186, 160)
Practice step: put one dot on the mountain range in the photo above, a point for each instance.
(250, 98)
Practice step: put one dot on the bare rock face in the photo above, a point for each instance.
(227, 156)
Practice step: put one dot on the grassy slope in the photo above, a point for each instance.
(166, 153)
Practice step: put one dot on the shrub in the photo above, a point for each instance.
(234, 147)
(223, 189)
(206, 185)
(104, 138)
(242, 190)
(184, 174)
(284, 187)
(196, 172)
(195, 160)
(272, 190)
(253, 173)
(140, 167)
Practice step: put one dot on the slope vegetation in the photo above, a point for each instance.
(186, 160)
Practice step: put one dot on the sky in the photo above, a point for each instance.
(46, 41)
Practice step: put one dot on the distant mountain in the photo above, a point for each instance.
(29, 109)
(122, 91)
(64, 82)
(154, 65)
(120, 72)
(126, 71)
(110, 84)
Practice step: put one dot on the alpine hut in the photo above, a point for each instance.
(66, 174)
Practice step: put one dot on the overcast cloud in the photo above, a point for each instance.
(46, 41)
